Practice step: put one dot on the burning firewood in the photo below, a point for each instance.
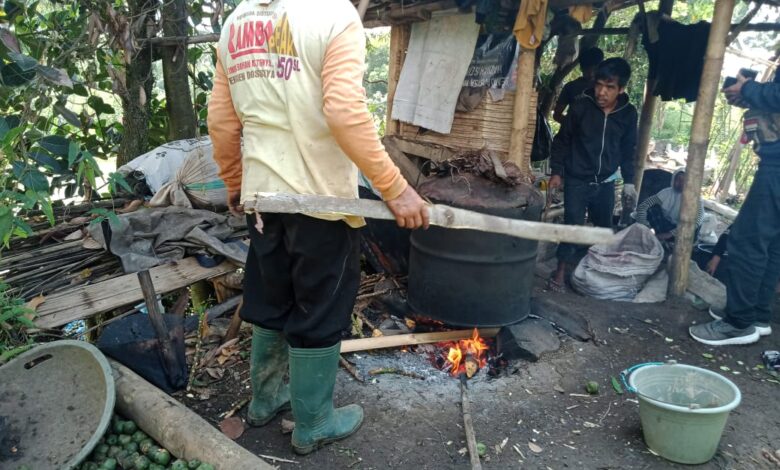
(467, 356)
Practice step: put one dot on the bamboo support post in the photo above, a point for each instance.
(697, 149)
(468, 426)
(526, 63)
(646, 117)
(440, 215)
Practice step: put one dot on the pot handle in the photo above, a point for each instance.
(627, 372)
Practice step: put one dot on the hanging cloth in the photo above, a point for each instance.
(529, 25)
(581, 13)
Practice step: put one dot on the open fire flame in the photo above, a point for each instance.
(467, 356)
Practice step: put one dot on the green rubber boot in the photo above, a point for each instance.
(312, 377)
(270, 395)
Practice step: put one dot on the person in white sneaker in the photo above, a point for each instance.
(754, 238)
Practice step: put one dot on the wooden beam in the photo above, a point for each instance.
(396, 341)
(521, 130)
(697, 149)
(771, 66)
(409, 169)
(755, 27)
(646, 118)
(430, 152)
(440, 215)
(170, 361)
(721, 209)
(84, 301)
(181, 40)
(399, 42)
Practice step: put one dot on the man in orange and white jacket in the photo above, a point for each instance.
(289, 80)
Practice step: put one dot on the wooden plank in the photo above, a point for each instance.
(84, 301)
(381, 342)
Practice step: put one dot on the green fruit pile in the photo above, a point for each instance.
(126, 447)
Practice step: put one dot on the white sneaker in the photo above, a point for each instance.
(763, 329)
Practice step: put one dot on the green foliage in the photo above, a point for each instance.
(57, 108)
(375, 80)
(15, 318)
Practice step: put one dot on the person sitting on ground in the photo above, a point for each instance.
(661, 211)
(589, 61)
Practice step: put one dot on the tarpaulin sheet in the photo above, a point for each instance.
(151, 237)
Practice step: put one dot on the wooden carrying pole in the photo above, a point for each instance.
(697, 149)
(441, 215)
(526, 62)
(646, 118)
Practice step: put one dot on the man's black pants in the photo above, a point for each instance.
(302, 276)
(579, 197)
(754, 251)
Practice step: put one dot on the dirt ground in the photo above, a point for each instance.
(417, 424)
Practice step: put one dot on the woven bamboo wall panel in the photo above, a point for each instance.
(489, 127)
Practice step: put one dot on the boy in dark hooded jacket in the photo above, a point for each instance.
(597, 137)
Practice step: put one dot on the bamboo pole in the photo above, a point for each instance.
(646, 118)
(211, 38)
(526, 62)
(180, 430)
(441, 215)
(725, 183)
(697, 149)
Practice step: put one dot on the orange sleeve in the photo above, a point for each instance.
(225, 131)
(344, 105)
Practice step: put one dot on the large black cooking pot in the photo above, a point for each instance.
(471, 278)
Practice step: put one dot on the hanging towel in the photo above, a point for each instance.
(529, 25)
